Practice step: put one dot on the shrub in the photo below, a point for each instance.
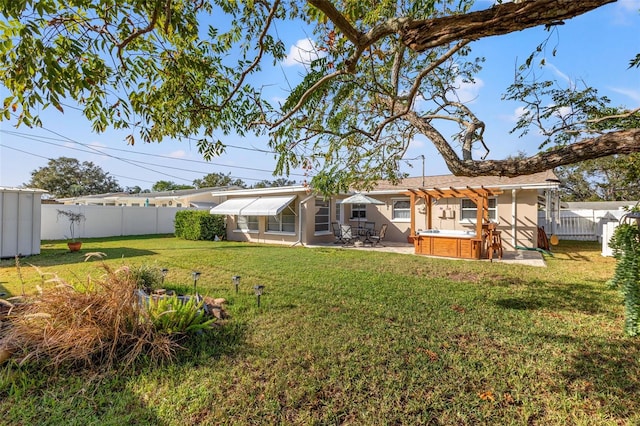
(199, 225)
(626, 248)
(147, 277)
(173, 314)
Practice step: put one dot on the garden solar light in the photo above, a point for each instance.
(164, 274)
(258, 291)
(236, 281)
(195, 275)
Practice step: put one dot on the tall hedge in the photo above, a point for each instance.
(199, 225)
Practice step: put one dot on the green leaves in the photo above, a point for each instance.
(67, 177)
(626, 247)
(174, 314)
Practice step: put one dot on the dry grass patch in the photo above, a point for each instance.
(100, 325)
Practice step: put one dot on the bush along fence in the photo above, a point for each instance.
(199, 225)
(626, 248)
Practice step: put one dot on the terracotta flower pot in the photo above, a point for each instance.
(74, 245)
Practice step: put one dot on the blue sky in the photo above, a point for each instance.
(595, 47)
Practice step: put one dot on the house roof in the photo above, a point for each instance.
(13, 189)
(178, 193)
(275, 190)
(542, 180)
(534, 181)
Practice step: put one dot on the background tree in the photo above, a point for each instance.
(612, 178)
(385, 72)
(218, 179)
(67, 177)
(167, 185)
(274, 183)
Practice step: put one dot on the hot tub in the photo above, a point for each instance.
(447, 233)
(448, 243)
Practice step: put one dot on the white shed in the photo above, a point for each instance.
(20, 218)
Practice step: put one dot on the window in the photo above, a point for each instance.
(284, 221)
(401, 210)
(322, 216)
(468, 210)
(338, 210)
(247, 223)
(358, 211)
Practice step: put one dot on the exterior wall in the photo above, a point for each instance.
(526, 219)
(310, 235)
(397, 230)
(262, 235)
(446, 216)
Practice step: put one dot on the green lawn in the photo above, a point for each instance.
(354, 337)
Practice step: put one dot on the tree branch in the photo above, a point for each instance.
(497, 20)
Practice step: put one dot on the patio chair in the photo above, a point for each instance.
(342, 233)
(346, 234)
(377, 237)
(337, 232)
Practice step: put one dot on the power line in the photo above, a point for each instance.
(137, 163)
(41, 140)
(47, 158)
(188, 137)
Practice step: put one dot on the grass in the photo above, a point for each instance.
(354, 337)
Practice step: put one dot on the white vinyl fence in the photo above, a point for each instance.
(108, 221)
(607, 233)
(583, 225)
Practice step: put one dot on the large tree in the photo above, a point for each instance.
(167, 185)
(218, 179)
(68, 177)
(386, 70)
(613, 178)
(265, 183)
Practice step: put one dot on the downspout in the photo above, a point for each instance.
(299, 240)
(514, 217)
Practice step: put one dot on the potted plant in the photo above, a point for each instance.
(74, 218)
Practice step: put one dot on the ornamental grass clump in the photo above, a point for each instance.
(104, 324)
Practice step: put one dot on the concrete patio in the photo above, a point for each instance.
(523, 257)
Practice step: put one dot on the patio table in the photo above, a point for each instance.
(362, 232)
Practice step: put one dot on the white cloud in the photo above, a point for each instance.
(564, 112)
(177, 154)
(416, 144)
(302, 53)
(559, 73)
(517, 113)
(467, 92)
(628, 5)
(623, 11)
(633, 94)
